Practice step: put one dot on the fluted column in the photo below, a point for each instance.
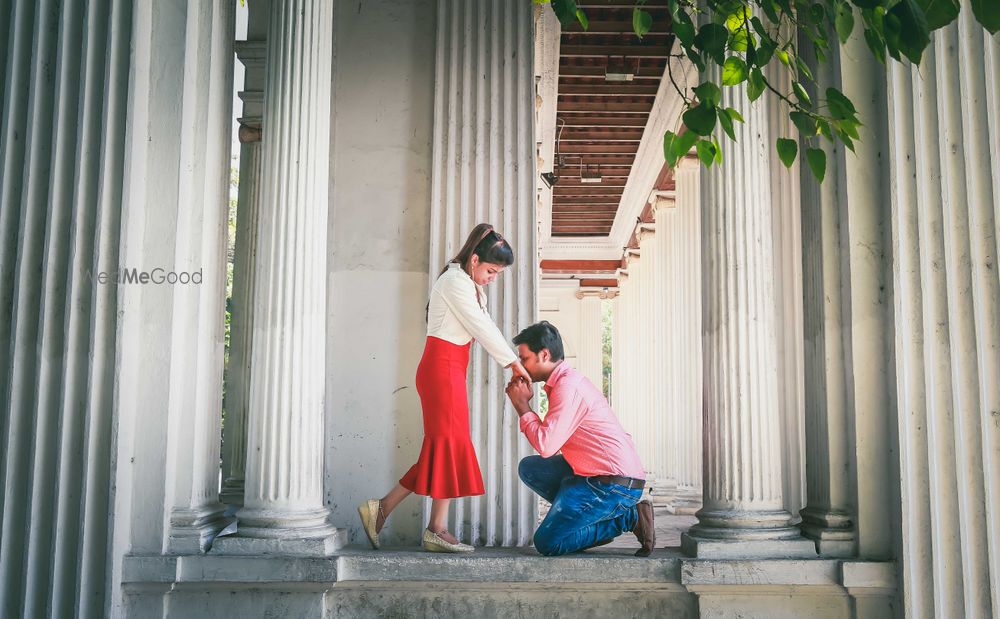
(649, 407)
(743, 513)
(664, 358)
(237, 391)
(483, 149)
(682, 271)
(283, 500)
(590, 355)
(827, 517)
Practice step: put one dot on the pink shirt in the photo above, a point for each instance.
(581, 423)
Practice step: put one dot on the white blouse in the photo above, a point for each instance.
(456, 317)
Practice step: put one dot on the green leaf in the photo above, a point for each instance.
(913, 36)
(582, 18)
(718, 150)
(940, 13)
(784, 58)
(708, 92)
(876, 44)
(787, 149)
(736, 116)
(684, 32)
(804, 123)
(844, 21)
(734, 71)
(668, 141)
(817, 13)
(840, 106)
(739, 41)
(565, 11)
(766, 51)
(706, 152)
(642, 21)
(770, 9)
(712, 39)
(700, 119)
(804, 69)
(727, 124)
(755, 85)
(737, 20)
(824, 129)
(987, 14)
(866, 4)
(682, 145)
(801, 94)
(695, 58)
(816, 159)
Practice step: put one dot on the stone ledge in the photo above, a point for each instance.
(665, 568)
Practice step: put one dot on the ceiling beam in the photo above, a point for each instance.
(608, 90)
(602, 51)
(586, 105)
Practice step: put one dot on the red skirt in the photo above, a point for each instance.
(447, 467)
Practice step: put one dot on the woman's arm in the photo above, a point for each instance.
(459, 294)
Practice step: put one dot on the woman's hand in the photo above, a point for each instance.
(519, 371)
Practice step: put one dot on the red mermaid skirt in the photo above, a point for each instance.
(447, 467)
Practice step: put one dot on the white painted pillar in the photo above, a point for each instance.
(943, 125)
(283, 501)
(743, 513)
(237, 380)
(483, 149)
(684, 261)
(663, 360)
(649, 406)
(828, 515)
(590, 351)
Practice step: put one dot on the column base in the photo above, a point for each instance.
(193, 530)
(283, 532)
(707, 548)
(686, 501)
(745, 534)
(831, 530)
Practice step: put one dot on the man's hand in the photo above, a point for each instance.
(520, 394)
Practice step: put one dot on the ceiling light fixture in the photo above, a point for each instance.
(618, 71)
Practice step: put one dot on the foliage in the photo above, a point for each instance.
(735, 42)
(606, 322)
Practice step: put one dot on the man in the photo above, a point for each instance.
(595, 484)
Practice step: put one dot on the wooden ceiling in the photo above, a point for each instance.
(599, 123)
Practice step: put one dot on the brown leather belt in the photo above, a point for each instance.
(628, 482)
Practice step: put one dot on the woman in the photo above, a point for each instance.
(456, 314)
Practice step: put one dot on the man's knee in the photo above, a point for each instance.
(547, 546)
(527, 466)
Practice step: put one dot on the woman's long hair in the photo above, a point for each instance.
(485, 243)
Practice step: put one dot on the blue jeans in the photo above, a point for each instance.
(584, 511)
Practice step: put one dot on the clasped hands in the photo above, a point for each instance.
(520, 394)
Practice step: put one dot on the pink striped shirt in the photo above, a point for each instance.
(580, 422)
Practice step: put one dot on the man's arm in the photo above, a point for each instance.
(566, 411)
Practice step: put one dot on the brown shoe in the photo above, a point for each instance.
(644, 529)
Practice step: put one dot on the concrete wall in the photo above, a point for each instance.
(380, 216)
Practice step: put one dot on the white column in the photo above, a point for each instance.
(483, 154)
(743, 513)
(590, 354)
(827, 517)
(649, 407)
(283, 502)
(664, 358)
(943, 125)
(237, 392)
(683, 263)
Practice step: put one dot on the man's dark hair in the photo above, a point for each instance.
(542, 335)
